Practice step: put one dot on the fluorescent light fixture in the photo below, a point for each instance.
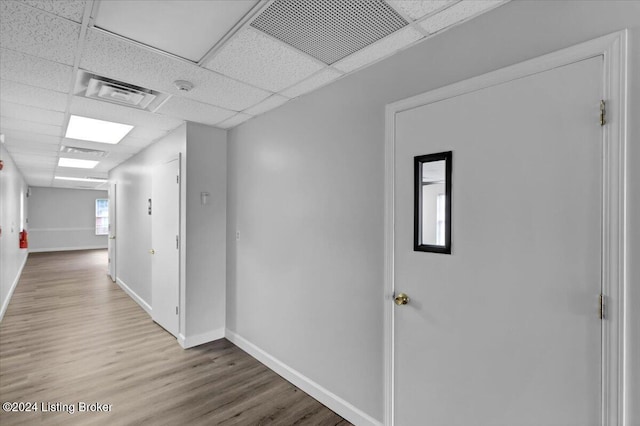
(80, 179)
(74, 162)
(90, 129)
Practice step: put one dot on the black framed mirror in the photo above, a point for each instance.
(432, 211)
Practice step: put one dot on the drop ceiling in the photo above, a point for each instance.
(243, 57)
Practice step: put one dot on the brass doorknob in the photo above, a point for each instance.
(401, 299)
(152, 251)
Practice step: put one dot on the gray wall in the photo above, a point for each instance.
(12, 258)
(133, 223)
(64, 219)
(203, 227)
(206, 227)
(305, 279)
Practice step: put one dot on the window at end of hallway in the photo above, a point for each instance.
(102, 216)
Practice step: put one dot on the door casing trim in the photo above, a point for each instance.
(613, 48)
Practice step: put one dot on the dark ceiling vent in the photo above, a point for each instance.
(329, 30)
(117, 92)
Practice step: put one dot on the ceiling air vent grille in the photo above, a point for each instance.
(84, 151)
(117, 92)
(329, 30)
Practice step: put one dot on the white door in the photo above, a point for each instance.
(111, 245)
(504, 330)
(165, 253)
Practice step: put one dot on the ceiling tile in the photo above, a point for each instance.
(36, 171)
(120, 114)
(266, 105)
(33, 96)
(30, 145)
(29, 113)
(35, 160)
(457, 13)
(147, 133)
(10, 123)
(418, 9)
(188, 32)
(199, 112)
(385, 47)
(125, 61)
(257, 59)
(25, 69)
(36, 152)
(234, 121)
(315, 81)
(38, 33)
(30, 137)
(69, 9)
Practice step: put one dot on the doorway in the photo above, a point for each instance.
(111, 244)
(506, 329)
(164, 207)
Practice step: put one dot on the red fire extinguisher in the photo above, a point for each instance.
(24, 243)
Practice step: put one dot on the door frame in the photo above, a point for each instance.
(613, 48)
(112, 247)
(181, 243)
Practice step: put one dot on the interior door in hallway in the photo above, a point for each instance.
(165, 251)
(504, 330)
(111, 245)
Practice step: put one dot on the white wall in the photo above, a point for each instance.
(305, 279)
(12, 258)
(64, 219)
(203, 227)
(206, 227)
(133, 223)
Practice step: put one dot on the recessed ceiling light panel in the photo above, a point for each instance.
(77, 163)
(90, 129)
(80, 179)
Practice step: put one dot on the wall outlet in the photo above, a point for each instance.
(237, 235)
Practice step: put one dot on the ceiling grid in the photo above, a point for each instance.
(271, 51)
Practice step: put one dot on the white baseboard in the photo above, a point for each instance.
(200, 339)
(134, 296)
(48, 249)
(5, 304)
(331, 400)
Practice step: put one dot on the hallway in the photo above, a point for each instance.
(70, 335)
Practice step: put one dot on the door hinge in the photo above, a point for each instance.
(177, 242)
(603, 113)
(178, 179)
(601, 310)
(176, 310)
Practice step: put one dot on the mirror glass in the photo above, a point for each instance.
(433, 203)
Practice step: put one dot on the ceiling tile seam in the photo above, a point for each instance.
(145, 46)
(176, 58)
(328, 67)
(31, 122)
(45, 11)
(465, 19)
(246, 21)
(281, 43)
(88, 7)
(35, 56)
(29, 85)
(420, 40)
(412, 23)
(30, 106)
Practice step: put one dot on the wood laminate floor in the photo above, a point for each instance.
(72, 336)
